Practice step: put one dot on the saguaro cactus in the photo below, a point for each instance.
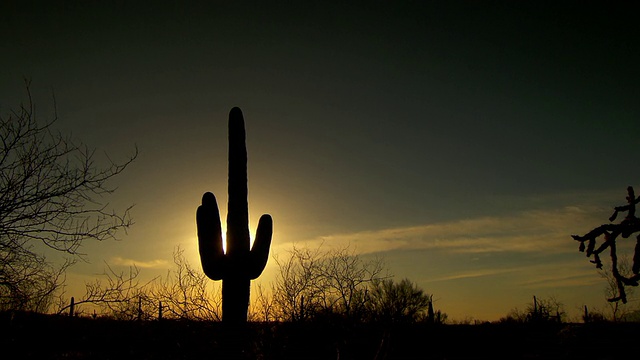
(239, 265)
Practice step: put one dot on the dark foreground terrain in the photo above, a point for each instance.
(31, 336)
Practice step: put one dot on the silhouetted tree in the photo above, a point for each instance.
(120, 295)
(397, 302)
(52, 194)
(590, 316)
(545, 310)
(185, 293)
(313, 282)
(629, 225)
(263, 308)
(344, 277)
(297, 290)
(316, 283)
(540, 310)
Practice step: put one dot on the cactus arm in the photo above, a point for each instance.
(210, 238)
(260, 250)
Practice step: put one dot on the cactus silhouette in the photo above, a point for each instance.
(627, 227)
(239, 265)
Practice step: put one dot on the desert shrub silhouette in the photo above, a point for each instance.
(239, 265)
(629, 225)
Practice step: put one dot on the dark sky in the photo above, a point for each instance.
(362, 118)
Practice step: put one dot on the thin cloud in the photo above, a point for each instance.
(539, 276)
(563, 274)
(532, 231)
(472, 274)
(141, 264)
(583, 278)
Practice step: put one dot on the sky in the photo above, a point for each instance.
(462, 141)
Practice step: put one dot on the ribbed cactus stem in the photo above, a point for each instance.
(239, 265)
(238, 208)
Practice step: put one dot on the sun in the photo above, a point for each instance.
(224, 238)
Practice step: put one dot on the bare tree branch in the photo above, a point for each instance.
(315, 282)
(52, 192)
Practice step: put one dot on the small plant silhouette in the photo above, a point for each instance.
(239, 265)
(629, 225)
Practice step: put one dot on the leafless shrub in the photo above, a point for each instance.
(314, 282)
(185, 293)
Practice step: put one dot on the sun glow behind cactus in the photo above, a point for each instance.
(224, 238)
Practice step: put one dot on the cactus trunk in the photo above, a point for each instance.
(240, 264)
